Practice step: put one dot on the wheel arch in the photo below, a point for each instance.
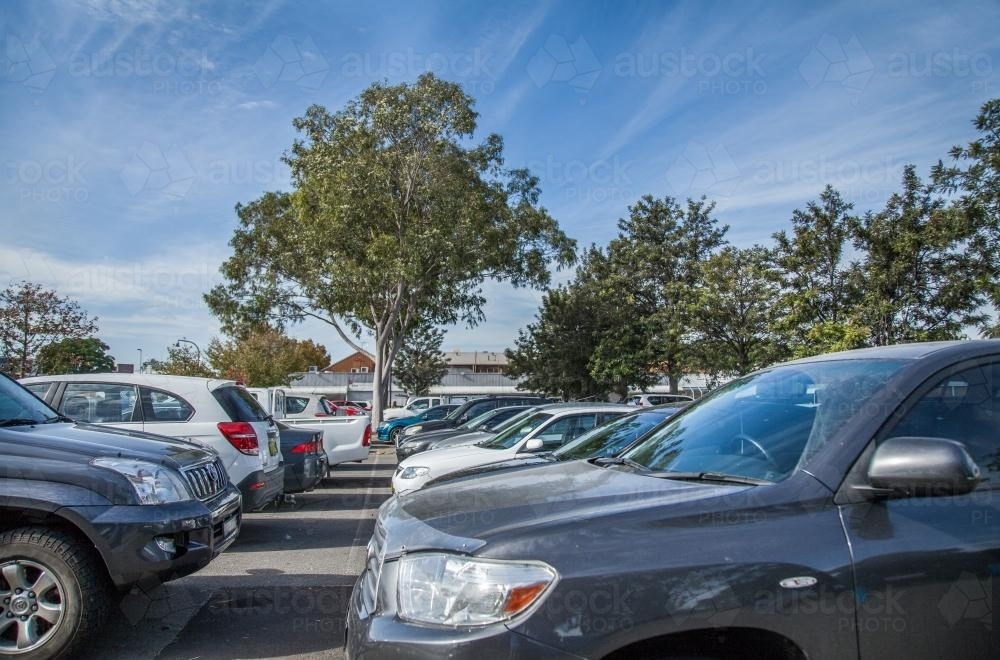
(716, 643)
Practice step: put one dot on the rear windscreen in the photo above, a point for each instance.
(239, 404)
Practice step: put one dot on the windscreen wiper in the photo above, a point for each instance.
(720, 477)
(58, 418)
(19, 421)
(619, 460)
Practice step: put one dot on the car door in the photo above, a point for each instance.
(927, 567)
(101, 403)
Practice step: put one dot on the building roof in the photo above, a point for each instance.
(459, 358)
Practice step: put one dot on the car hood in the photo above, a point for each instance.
(79, 443)
(463, 440)
(514, 507)
(454, 458)
(529, 460)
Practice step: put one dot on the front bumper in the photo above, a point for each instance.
(262, 488)
(383, 635)
(126, 536)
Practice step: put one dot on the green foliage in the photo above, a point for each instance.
(32, 317)
(395, 219)
(650, 274)
(735, 314)
(264, 357)
(553, 354)
(975, 177)
(817, 288)
(916, 280)
(86, 355)
(420, 362)
(181, 361)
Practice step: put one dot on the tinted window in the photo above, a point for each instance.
(566, 428)
(295, 404)
(611, 438)
(100, 403)
(160, 406)
(18, 403)
(39, 389)
(964, 407)
(514, 433)
(238, 404)
(764, 425)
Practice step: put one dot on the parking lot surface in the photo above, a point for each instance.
(281, 591)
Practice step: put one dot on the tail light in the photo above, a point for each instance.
(366, 440)
(319, 414)
(241, 436)
(304, 448)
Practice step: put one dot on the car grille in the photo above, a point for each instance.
(373, 567)
(206, 479)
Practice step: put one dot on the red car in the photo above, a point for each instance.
(347, 408)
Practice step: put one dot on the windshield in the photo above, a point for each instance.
(764, 425)
(473, 423)
(516, 432)
(611, 438)
(19, 406)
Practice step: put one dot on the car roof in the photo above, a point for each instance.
(566, 408)
(912, 351)
(152, 380)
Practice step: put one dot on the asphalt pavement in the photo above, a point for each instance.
(280, 591)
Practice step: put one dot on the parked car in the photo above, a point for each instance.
(84, 508)
(346, 439)
(643, 399)
(475, 407)
(390, 430)
(605, 441)
(413, 443)
(414, 406)
(303, 455)
(840, 506)
(218, 414)
(545, 430)
(349, 408)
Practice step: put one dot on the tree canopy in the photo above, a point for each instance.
(395, 218)
(420, 363)
(86, 355)
(32, 317)
(264, 357)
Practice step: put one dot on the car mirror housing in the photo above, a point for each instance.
(916, 466)
(533, 445)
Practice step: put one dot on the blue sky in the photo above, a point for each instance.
(130, 129)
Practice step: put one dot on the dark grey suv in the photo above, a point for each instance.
(842, 506)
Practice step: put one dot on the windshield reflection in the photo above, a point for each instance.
(764, 425)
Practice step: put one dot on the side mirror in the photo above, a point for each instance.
(533, 445)
(922, 466)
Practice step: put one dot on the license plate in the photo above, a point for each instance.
(229, 527)
(272, 446)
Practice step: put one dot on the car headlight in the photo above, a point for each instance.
(414, 472)
(153, 484)
(413, 430)
(453, 590)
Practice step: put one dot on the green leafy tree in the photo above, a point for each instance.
(974, 175)
(917, 280)
(32, 317)
(653, 267)
(735, 312)
(86, 355)
(553, 353)
(395, 219)
(816, 278)
(181, 361)
(420, 362)
(264, 357)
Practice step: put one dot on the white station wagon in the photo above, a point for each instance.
(219, 414)
(545, 429)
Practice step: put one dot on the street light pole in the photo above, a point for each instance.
(188, 341)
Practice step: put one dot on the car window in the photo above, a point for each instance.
(964, 407)
(477, 409)
(437, 412)
(513, 434)
(39, 389)
(160, 406)
(611, 438)
(100, 403)
(565, 428)
(295, 404)
(238, 404)
(765, 425)
(17, 404)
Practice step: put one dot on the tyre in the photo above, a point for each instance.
(395, 435)
(53, 593)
